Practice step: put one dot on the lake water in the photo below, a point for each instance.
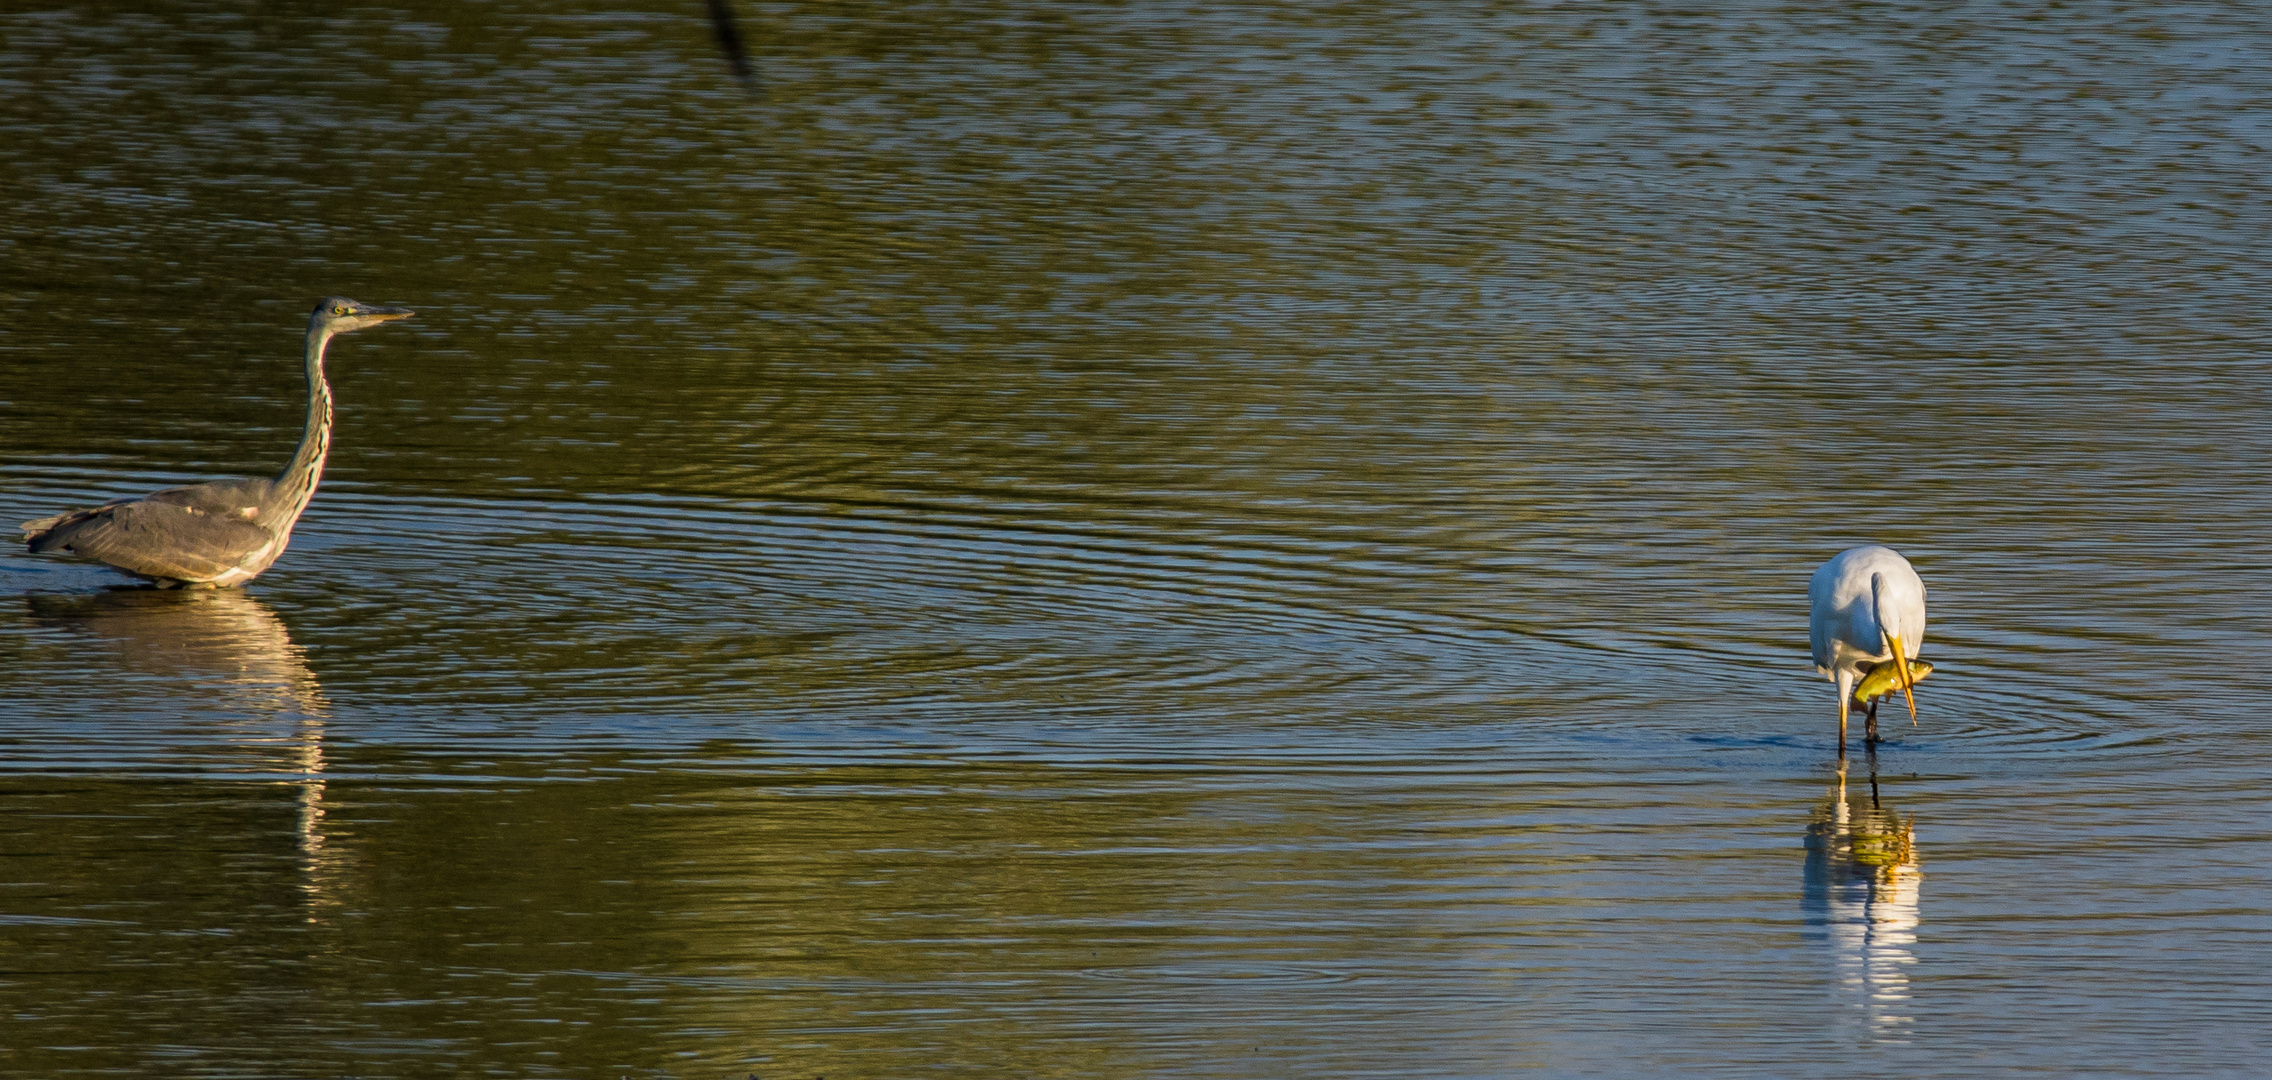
(1141, 540)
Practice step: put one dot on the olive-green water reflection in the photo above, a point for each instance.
(860, 921)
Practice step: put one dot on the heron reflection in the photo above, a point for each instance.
(1861, 898)
(228, 649)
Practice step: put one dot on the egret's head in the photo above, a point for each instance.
(339, 315)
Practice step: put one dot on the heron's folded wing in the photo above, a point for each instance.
(221, 498)
(66, 519)
(159, 539)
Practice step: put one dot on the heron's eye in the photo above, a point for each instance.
(339, 311)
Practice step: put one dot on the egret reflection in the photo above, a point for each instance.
(1861, 898)
(222, 648)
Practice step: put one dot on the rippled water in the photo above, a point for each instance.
(1141, 540)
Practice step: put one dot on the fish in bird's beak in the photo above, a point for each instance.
(1901, 675)
(1882, 679)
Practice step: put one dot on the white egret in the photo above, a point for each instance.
(1868, 608)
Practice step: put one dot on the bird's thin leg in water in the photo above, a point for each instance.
(1870, 725)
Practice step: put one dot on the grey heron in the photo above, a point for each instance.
(224, 533)
(1868, 609)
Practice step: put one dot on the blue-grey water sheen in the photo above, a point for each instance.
(1142, 540)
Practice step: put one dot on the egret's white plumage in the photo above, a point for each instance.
(1868, 604)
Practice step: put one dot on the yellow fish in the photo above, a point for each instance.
(1881, 680)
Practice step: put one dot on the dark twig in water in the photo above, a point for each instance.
(730, 39)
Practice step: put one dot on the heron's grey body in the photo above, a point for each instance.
(224, 533)
(1862, 601)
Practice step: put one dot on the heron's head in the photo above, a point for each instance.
(339, 315)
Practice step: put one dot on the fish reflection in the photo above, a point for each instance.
(229, 648)
(1861, 898)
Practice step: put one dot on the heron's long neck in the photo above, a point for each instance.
(297, 483)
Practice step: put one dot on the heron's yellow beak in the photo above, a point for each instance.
(1901, 675)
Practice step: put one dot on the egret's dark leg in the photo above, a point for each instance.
(1870, 724)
